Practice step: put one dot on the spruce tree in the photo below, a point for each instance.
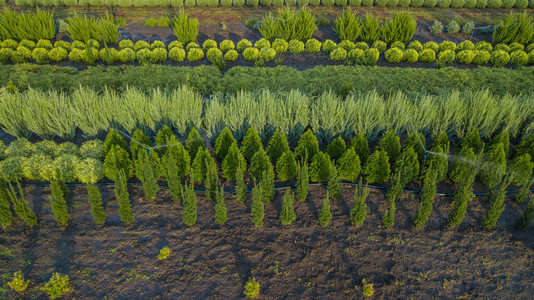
(463, 164)
(286, 166)
(117, 159)
(162, 140)
(231, 161)
(277, 146)
(267, 185)
(240, 187)
(388, 219)
(257, 207)
(325, 215)
(259, 164)
(6, 218)
(493, 165)
(307, 147)
(95, 200)
(303, 181)
(150, 181)
(359, 209)
(349, 166)
(377, 167)
(123, 198)
(200, 167)
(173, 178)
(462, 196)
(223, 143)
(391, 144)
(194, 143)
(112, 139)
(471, 140)
(361, 146)
(181, 157)
(189, 211)
(497, 196)
(428, 193)
(251, 144)
(334, 189)
(320, 167)
(336, 148)
(212, 180)
(220, 208)
(522, 193)
(20, 206)
(287, 215)
(59, 204)
(526, 218)
(417, 142)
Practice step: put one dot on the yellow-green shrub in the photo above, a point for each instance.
(226, 46)
(394, 55)
(338, 54)
(177, 54)
(243, 44)
(231, 55)
(195, 54)
(58, 54)
(251, 54)
(499, 58)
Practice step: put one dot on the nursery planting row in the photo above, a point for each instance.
(52, 114)
(166, 157)
(278, 3)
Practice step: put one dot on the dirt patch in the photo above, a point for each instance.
(301, 260)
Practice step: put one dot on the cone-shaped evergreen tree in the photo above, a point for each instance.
(267, 185)
(407, 165)
(442, 141)
(6, 218)
(325, 215)
(223, 143)
(308, 146)
(287, 215)
(334, 189)
(277, 146)
(303, 181)
(471, 140)
(220, 208)
(240, 187)
(20, 206)
(181, 158)
(123, 197)
(95, 200)
(377, 167)
(359, 209)
(336, 148)
(200, 167)
(59, 204)
(138, 143)
(251, 144)
(212, 180)
(193, 143)
(150, 182)
(173, 177)
(361, 146)
(438, 160)
(286, 166)
(320, 167)
(189, 212)
(522, 193)
(526, 218)
(497, 196)
(257, 207)
(417, 142)
(520, 169)
(462, 196)
(162, 140)
(503, 139)
(493, 165)
(259, 164)
(349, 166)
(117, 159)
(112, 139)
(391, 144)
(428, 193)
(525, 147)
(389, 217)
(231, 161)
(462, 165)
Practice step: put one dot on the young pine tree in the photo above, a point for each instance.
(220, 208)
(223, 143)
(439, 160)
(231, 161)
(163, 140)
(173, 177)
(259, 164)
(377, 167)
(336, 148)
(359, 209)
(212, 180)
(526, 218)
(251, 144)
(471, 140)
(493, 165)
(257, 207)
(287, 215)
(6, 218)
(417, 142)
(303, 181)
(194, 143)
(117, 159)
(112, 139)
(286, 166)
(334, 189)
(497, 196)
(189, 212)
(389, 217)
(123, 197)
(463, 165)
(200, 165)
(462, 196)
(95, 200)
(361, 146)
(522, 193)
(349, 166)
(277, 146)
(391, 144)
(267, 185)
(503, 139)
(20, 206)
(59, 204)
(307, 147)
(407, 165)
(240, 187)
(520, 168)
(428, 193)
(181, 158)
(138, 144)
(320, 167)
(150, 181)
(325, 215)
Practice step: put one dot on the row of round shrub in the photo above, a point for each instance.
(278, 3)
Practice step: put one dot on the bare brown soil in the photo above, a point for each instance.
(302, 260)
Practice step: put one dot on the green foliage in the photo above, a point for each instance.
(307, 147)
(251, 144)
(497, 196)
(18, 284)
(493, 165)
(233, 159)
(359, 209)
(525, 146)
(312, 46)
(410, 56)
(336, 148)
(164, 253)
(223, 143)
(259, 163)
(295, 46)
(519, 58)
(394, 55)
(334, 189)
(349, 165)
(220, 208)
(407, 164)
(471, 140)
(514, 28)
(123, 197)
(277, 146)
(59, 203)
(400, 28)
(200, 165)
(286, 166)
(26, 25)
(453, 26)
(57, 286)
(428, 192)
(377, 167)
(243, 44)
(20, 205)
(481, 57)
(361, 146)
(240, 187)
(287, 215)
(150, 176)
(325, 215)
(6, 218)
(388, 219)
(329, 46)
(251, 54)
(280, 45)
(95, 200)
(194, 142)
(189, 211)
(113, 138)
(520, 169)
(185, 28)
(462, 197)
(499, 58)
(117, 159)
(252, 288)
(348, 26)
(391, 144)
(526, 218)
(320, 167)
(177, 54)
(303, 183)
(212, 180)
(463, 165)
(338, 54)
(257, 207)
(289, 24)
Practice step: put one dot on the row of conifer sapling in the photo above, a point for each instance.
(185, 166)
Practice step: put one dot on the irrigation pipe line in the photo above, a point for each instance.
(276, 188)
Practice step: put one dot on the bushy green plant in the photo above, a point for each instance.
(199, 167)
(307, 147)
(277, 146)
(514, 28)
(380, 46)
(410, 56)
(117, 159)
(416, 45)
(251, 54)
(427, 56)
(151, 22)
(446, 57)
(95, 200)
(394, 55)
(286, 166)
(508, 3)
(347, 26)
(20, 205)
(377, 167)
(252, 288)
(482, 3)
(520, 169)
(226, 45)
(521, 4)
(481, 57)
(325, 215)
(519, 58)
(526, 218)
(469, 26)
(312, 46)
(232, 160)
(257, 207)
(243, 44)
(349, 165)
(370, 29)
(259, 164)
(295, 46)
(177, 54)
(329, 46)
(502, 47)
(444, 3)
(465, 56)
(499, 58)
(126, 55)
(280, 45)
(336, 148)
(185, 28)
(453, 26)
(231, 55)
(57, 286)
(338, 54)
(400, 28)
(320, 167)
(40, 55)
(417, 3)
(262, 43)
(189, 212)
(18, 284)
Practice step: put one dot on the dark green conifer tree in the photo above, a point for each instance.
(320, 167)
(251, 144)
(259, 164)
(334, 189)
(325, 215)
(223, 143)
(257, 207)
(189, 211)
(6, 218)
(391, 144)
(231, 161)
(361, 146)
(359, 209)
(123, 198)
(349, 166)
(428, 193)
(287, 215)
(220, 208)
(193, 143)
(277, 146)
(303, 181)
(526, 218)
(307, 147)
(212, 180)
(286, 166)
(377, 167)
(336, 148)
(59, 204)
(95, 200)
(20, 206)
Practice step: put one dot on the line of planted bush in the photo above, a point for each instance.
(278, 3)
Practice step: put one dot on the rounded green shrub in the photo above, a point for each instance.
(338, 54)
(403, 3)
(28, 44)
(530, 47)
(341, 2)
(430, 3)
(243, 44)
(415, 45)
(417, 3)
(367, 3)
(361, 45)
(465, 56)
(208, 44)
(156, 45)
(175, 44)
(482, 3)
(191, 45)
(410, 56)
(427, 56)
(110, 3)
(280, 45)
(465, 45)
(78, 45)
(481, 57)
(231, 55)
(77, 55)
(58, 54)
(63, 44)
(380, 46)
(356, 56)
(212, 3)
(347, 45)
(392, 3)
(457, 3)
(327, 2)
(126, 55)
(226, 45)
(262, 43)
(252, 3)
(126, 44)
(158, 55)
(40, 55)
(124, 3)
(177, 54)
(9, 43)
(470, 3)
(431, 45)
(89, 170)
(279, 3)
(213, 53)
(295, 46)
(494, 3)
(516, 47)
(398, 44)
(531, 57)
(519, 58)
(24, 52)
(485, 46)
(266, 54)
(444, 3)
(502, 47)
(11, 168)
(239, 3)
(141, 45)
(45, 44)
(195, 54)
(329, 46)
(447, 45)
(251, 54)
(521, 4)
(312, 46)
(355, 3)
(371, 56)
(394, 55)
(381, 3)
(446, 57)
(143, 56)
(453, 27)
(139, 3)
(265, 3)
(508, 3)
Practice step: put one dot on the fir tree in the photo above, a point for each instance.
(493, 165)
(212, 180)
(407, 165)
(277, 146)
(389, 217)
(117, 159)
(303, 181)
(123, 198)
(231, 161)
(259, 164)
(463, 165)
(359, 209)
(307, 147)
(462, 196)
(150, 182)
(20, 206)
(240, 187)
(287, 215)
(59, 204)
(377, 167)
(189, 212)
(526, 218)
(286, 166)
(162, 140)
(471, 140)
(257, 207)
(251, 144)
(497, 196)
(325, 215)
(6, 218)
(320, 167)
(391, 144)
(361, 146)
(336, 148)
(220, 209)
(223, 143)
(200, 167)
(173, 178)
(334, 189)
(194, 143)
(267, 185)
(349, 166)
(522, 193)
(428, 193)
(417, 142)
(112, 139)
(95, 200)
(181, 158)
